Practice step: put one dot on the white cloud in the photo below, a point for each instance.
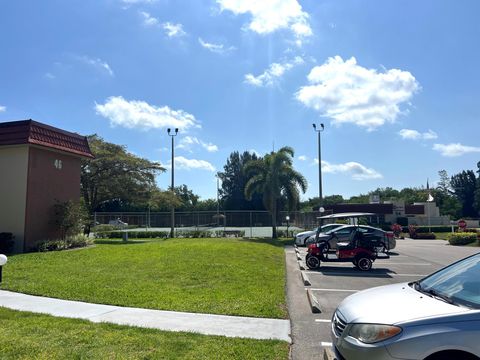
(274, 72)
(187, 142)
(271, 15)
(216, 48)
(357, 170)
(303, 158)
(96, 63)
(454, 150)
(182, 163)
(149, 20)
(430, 135)
(49, 76)
(349, 93)
(173, 30)
(416, 135)
(137, 114)
(3, 108)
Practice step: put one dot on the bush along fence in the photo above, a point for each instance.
(164, 234)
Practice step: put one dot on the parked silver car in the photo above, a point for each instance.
(346, 232)
(301, 237)
(436, 318)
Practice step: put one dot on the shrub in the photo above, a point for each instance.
(103, 228)
(412, 230)
(70, 242)
(397, 229)
(6, 242)
(462, 238)
(165, 234)
(425, 235)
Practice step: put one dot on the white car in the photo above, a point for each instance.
(436, 318)
(301, 237)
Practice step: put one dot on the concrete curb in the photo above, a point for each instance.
(328, 354)
(301, 265)
(314, 305)
(305, 279)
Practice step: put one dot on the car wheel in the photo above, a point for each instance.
(364, 263)
(312, 262)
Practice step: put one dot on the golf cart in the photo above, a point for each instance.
(362, 249)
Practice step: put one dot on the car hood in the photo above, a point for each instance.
(305, 233)
(393, 304)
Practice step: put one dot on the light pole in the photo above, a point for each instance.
(318, 131)
(288, 223)
(172, 135)
(218, 198)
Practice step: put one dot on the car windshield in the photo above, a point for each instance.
(458, 283)
(336, 229)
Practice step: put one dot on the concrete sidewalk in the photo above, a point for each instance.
(230, 326)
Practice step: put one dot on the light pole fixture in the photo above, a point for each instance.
(3, 261)
(318, 131)
(172, 134)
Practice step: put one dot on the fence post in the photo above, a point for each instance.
(251, 230)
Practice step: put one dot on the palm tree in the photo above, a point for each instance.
(273, 176)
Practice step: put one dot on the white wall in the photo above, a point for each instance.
(13, 191)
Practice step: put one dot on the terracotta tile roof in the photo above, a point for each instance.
(35, 133)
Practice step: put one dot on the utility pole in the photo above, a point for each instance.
(172, 225)
(318, 131)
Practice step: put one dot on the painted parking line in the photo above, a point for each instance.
(364, 275)
(323, 320)
(333, 290)
(325, 344)
(395, 263)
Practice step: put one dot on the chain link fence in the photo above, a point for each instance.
(254, 223)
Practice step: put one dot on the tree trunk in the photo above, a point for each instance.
(274, 219)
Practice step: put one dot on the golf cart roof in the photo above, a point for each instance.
(345, 215)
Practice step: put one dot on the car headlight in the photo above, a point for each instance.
(372, 333)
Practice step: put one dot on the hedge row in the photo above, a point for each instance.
(463, 238)
(165, 234)
(424, 235)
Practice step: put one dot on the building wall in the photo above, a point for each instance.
(53, 176)
(13, 190)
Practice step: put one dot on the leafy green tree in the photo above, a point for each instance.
(69, 218)
(464, 185)
(188, 199)
(476, 203)
(314, 203)
(234, 178)
(273, 177)
(206, 205)
(444, 183)
(115, 176)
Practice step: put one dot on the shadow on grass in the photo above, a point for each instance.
(120, 242)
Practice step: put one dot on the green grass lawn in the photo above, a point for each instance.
(218, 276)
(25, 335)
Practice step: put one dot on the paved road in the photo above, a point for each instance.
(412, 260)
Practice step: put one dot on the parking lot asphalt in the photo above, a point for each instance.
(332, 282)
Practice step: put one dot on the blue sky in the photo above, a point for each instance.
(395, 83)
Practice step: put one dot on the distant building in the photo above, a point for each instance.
(390, 212)
(39, 165)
